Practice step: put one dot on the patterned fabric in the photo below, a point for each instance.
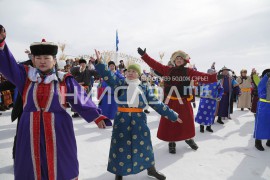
(208, 102)
(131, 149)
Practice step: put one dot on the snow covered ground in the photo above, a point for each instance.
(228, 153)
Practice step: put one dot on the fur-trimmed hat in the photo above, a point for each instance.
(243, 71)
(265, 72)
(170, 64)
(43, 48)
(180, 53)
(225, 68)
(82, 61)
(135, 67)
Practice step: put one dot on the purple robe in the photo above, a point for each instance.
(46, 146)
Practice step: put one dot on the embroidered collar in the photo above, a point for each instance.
(34, 76)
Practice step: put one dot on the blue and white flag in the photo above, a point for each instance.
(117, 41)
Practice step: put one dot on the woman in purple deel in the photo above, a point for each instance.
(46, 146)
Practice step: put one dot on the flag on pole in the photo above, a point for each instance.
(117, 40)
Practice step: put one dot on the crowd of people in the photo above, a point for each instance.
(40, 93)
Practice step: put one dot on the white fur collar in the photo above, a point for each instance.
(133, 92)
(34, 76)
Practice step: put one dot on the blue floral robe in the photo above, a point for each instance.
(208, 103)
(131, 149)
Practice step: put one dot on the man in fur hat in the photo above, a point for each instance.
(230, 86)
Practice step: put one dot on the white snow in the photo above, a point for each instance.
(228, 153)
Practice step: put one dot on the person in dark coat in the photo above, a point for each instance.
(83, 76)
(230, 85)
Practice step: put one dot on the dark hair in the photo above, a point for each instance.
(56, 72)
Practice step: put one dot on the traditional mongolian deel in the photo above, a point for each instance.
(244, 101)
(262, 122)
(46, 145)
(179, 78)
(131, 149)
(208, 103)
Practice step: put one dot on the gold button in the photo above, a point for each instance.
(121, 149)
(128, 142)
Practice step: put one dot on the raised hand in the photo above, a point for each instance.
(2, 33)
(98, 55)
(141, 52)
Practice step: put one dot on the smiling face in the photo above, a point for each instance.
(44, 62)
(179, 61)
(131, 74)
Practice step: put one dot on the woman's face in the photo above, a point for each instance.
(44, 62)
(112, 67)
(131, 74)
(179, 61)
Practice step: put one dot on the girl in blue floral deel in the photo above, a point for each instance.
(211, 94)
(131, 148)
